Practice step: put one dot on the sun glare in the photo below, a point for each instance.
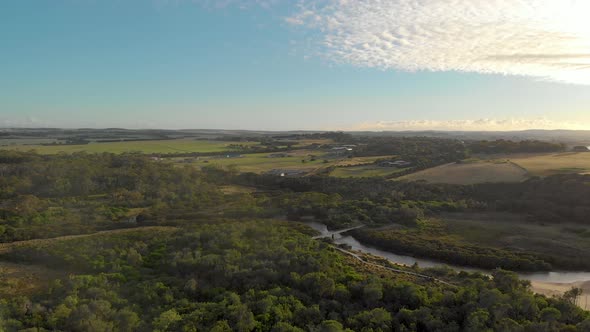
(565, 52)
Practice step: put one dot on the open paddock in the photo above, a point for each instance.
(263, 162)
(306, 160)
(467, 173)
(365, 171)
(157, 146)
(555, 163)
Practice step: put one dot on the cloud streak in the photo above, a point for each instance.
(546, 39)
(472, 125)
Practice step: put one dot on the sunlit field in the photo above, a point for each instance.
(470, 173)
(161, 146)
(559, 163)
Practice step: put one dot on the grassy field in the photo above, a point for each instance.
(263, 162)
(471, 173)
(361, 160)
(557, 163)
(307, 142)
(162, 146)
(364, 171)
(25, 141)
(505, 168)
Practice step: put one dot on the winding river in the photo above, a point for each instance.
(561, 277)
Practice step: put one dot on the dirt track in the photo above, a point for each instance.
(6, 247)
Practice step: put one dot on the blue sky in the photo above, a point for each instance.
(286, 65)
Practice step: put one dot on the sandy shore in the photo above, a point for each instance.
(556, 289)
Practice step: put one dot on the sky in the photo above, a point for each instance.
(296, 64)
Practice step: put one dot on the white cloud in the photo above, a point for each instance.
(472, 125)
(547, 39)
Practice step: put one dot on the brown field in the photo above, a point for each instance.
(505, 168)
(555, 163)
(364, 171)
(470, 173)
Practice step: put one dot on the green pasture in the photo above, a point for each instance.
(158, 146)
(262, 162)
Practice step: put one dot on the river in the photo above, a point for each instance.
(561, 277)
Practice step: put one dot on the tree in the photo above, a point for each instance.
(572, 295)
(166, 320)
(221, 326)
(477, 321)
(126, 320)
(285, 327)
(550, 315)
(331, 326)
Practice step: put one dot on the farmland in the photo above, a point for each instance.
(364, 171)
(155, 146)
(471, 173)
(294, 160)
(505, 168)
(262, 162)
(558, 163)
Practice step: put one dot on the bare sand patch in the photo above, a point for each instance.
(557, 289)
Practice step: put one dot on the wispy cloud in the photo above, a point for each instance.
(472, 125)
(547, 39)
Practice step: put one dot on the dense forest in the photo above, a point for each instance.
(441, 149)
(507, 146)
(137, 245)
